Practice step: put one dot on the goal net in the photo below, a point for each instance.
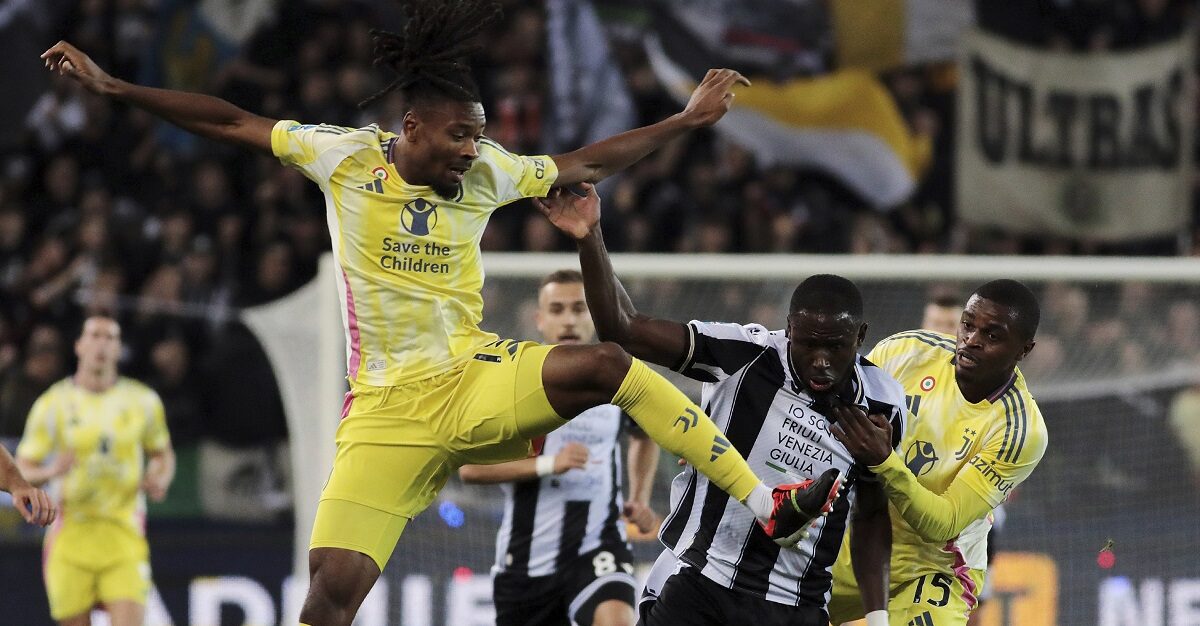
(1116, 372)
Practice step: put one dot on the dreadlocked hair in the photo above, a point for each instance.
(431, 54)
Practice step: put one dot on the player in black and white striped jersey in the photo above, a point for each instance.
(561, 552)
(770, 392)
(771, 410)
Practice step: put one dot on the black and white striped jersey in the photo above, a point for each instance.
(752, 394)
(550, 521)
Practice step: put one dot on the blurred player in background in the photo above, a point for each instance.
(975, 433)
(430, 390)
(561, 552)
(33, 503)
(771, 391)
(942, 312)
(102, 439)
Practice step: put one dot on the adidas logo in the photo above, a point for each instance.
(375, 185)
(720, 445)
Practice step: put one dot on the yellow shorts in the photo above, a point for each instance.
(397, 446)
(93, 562)
(930, 600)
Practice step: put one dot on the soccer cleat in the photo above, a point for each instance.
(797, 505)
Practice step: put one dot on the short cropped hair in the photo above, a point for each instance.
(1017, 297)
(944, 297)
(827, 293)
(562, 276)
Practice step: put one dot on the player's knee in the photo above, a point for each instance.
(614, 620)
(609, 364)
(613, 613)
(339, 578)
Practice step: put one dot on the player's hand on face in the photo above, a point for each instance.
(68, 60)
(640, 515)
(869, 439)
(572, 456)
(713, 97)
(570, 213)
(33, 504)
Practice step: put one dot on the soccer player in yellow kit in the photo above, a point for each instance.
(97, 430)
(429, 389)
(974, 434)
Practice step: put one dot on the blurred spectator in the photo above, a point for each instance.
(21, 384)
(1184, 420)
(272, 278)
(57, 116)
(179, 389)
(1183, 332)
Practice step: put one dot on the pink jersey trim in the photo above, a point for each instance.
(352, 325)
(52, 536)
(963, 574)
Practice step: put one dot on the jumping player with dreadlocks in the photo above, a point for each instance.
(430, 390)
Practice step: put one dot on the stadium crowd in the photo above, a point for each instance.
(103, 209)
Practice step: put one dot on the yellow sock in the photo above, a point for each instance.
(680, 427)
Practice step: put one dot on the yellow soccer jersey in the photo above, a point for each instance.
(409, 272)
(992, 445)
(109, 434)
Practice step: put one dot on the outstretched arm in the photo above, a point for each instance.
(658, 341)
(203, 115)
(593, 163)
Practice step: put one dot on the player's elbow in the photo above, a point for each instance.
(622, 329)
(939, 533)
(616, 332)
(471, 474)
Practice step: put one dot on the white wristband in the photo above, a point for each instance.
(877, 618)
(545, 465)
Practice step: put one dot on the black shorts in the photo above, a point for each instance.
(688, 597)
(572, 594)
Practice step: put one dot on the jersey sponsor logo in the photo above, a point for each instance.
(920, 457)
(968, 438)
(419, 217)
(376, 365)
(490, 358)
(928, 383)
(539, 168)
(688, 419)
(799, 447)
(991, 475)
